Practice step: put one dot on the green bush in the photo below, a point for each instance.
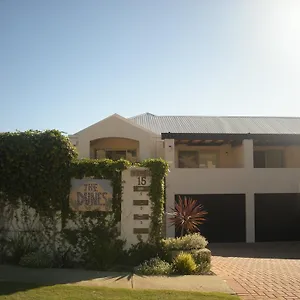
(3, 248)
(154, 266)
(36, 259)
(187, 242)
(143, 251)
(203, 268)
(201, 255)
(62, 258)
(184, 264)
(202, 258)
(19, 245)
(96, 242)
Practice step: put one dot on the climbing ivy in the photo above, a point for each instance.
(37, 167)
(158, 169)
(34, 167)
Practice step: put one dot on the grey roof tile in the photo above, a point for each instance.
(225, 125)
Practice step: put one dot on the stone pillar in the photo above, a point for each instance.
(170, 152)
(248, 154)
(170, 196)
(250, 204)
(83, 148)
(170, 201)
(250, 217)
(135, 206)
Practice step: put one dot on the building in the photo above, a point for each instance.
(244, 170)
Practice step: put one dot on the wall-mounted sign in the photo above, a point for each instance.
(91, 195)
(141, 217)
(140, 202)
(138, 188)
(140, 173)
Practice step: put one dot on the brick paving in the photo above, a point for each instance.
(259, 271)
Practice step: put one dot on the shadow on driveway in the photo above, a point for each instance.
(276, 250)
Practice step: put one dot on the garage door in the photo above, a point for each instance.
(225, 221)
(277, 217)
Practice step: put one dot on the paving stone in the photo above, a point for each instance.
(260, 271)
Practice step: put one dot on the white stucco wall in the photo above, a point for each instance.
(117, 127)
(128, 223)
(247, 180)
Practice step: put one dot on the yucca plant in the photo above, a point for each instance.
(187, 215)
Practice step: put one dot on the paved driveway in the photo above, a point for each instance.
(259, 271)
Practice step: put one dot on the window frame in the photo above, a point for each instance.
(199, 152)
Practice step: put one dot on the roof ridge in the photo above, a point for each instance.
(143, 114)
(206, 116)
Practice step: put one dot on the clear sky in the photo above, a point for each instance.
(66, 64)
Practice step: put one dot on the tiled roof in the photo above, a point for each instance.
(218, 125)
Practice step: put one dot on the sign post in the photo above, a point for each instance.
(136, 205)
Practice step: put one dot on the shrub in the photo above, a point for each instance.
(184, 264)
(187, 242)
(202, 258)
(143, 251)
(154, 266)
(96, 243)
(203, 268)
(36, 259)
(62, 258)
(201, 255)
(3, 249)
(19, 245)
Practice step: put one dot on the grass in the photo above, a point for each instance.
(19, 291)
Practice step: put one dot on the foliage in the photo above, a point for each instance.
(154, 266)
(187, 215)
(203, 268)
(158, 169)
(143, 251)
(3, 246)
(202, 258)
(184, 264)
(21, 244)
(62, 258)
(37, 259)
(201, 255)
(34, 166)
(187, 242)
(95, 241)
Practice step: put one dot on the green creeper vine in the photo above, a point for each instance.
(34, 167)
(37, 167)
(158, 169)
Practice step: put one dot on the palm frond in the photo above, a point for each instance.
(187, 215)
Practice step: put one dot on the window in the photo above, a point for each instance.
(208, 160)
(197, 159)
(115, 155)
(268, 159)
(130, 155)
(188, 159)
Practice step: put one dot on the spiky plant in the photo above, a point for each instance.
(187, 215)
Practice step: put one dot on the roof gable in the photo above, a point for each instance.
(118, 117)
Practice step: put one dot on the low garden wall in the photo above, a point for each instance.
(42, 226)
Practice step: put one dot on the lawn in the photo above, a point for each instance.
(19, 291)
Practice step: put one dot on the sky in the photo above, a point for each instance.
(68, 64)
